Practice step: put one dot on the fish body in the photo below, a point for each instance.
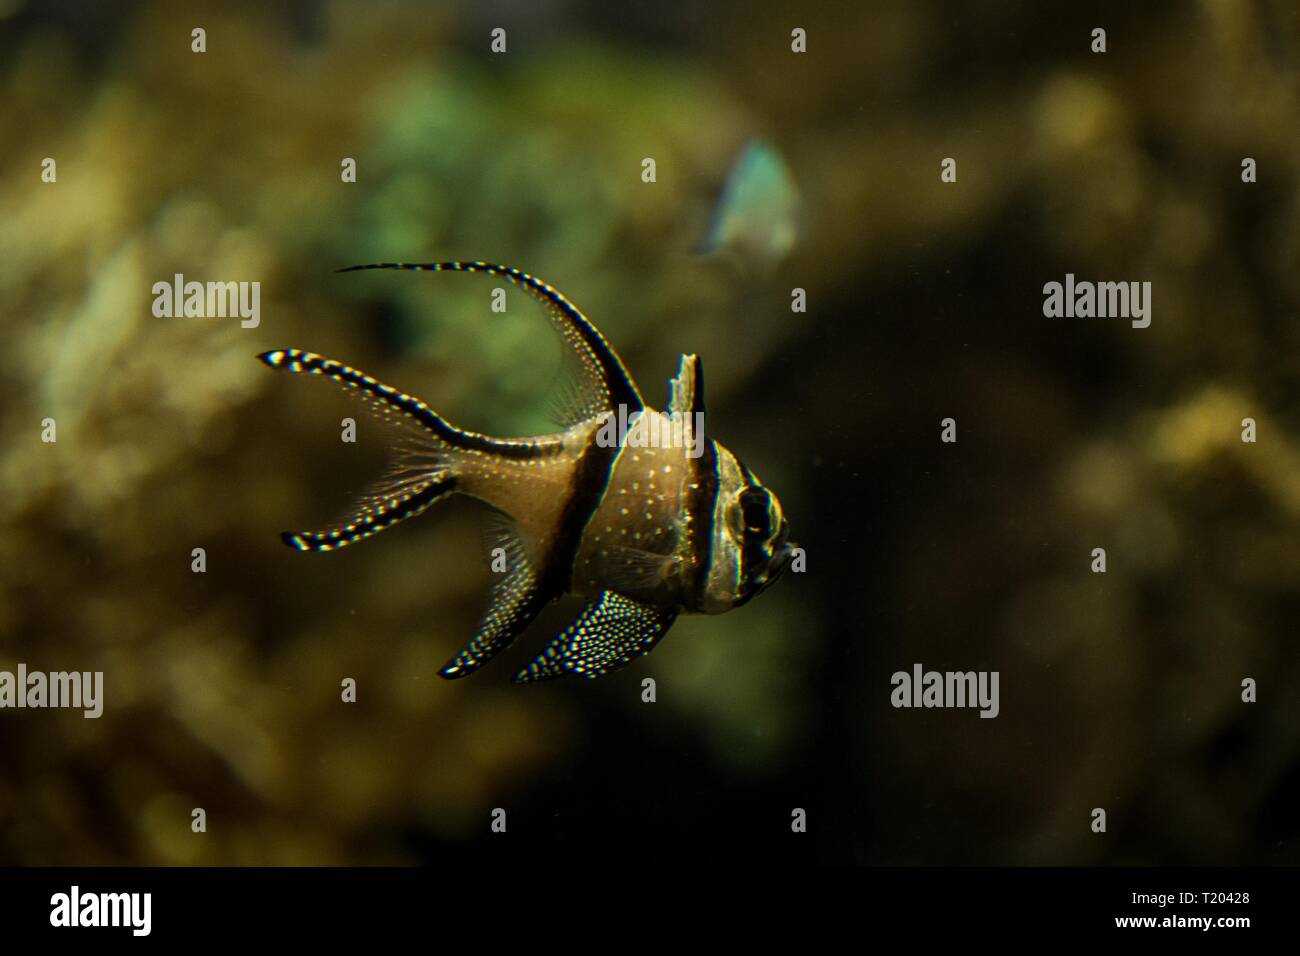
(635, 509)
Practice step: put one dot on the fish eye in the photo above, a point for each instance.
(756, 511)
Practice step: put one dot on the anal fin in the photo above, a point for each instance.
(518, 595)
(610, 633)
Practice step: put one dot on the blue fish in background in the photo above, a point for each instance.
(757, 216)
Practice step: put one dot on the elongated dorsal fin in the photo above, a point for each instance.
(686, 391)
(602, 383)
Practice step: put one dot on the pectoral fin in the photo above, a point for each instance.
(632, 570)
(610, 633)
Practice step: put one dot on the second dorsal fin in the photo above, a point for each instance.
(600, 382)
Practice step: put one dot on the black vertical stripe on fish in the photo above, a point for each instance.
(754, 551)
(686, 398)
(416, 411)
(701, 503)
(616, 383)
(384, 515)
(697, 395)
(587, 490)
(752, 555)
(525, 591)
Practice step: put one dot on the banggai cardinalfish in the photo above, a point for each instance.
(634, 509)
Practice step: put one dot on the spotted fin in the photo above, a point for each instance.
(597, 382)
(518, 594)
(610, 633)
(376, 511)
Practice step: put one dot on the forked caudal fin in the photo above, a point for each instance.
(375, 518)
(423, 471)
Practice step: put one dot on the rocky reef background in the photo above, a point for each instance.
(1119, 690)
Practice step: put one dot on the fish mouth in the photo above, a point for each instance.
(778, 569)
(786, 556)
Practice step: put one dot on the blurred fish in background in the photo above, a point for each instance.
(757, 217)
